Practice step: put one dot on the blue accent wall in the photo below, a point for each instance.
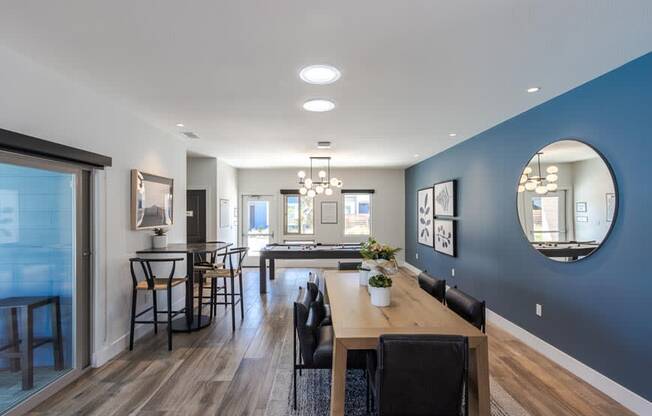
(598, 310)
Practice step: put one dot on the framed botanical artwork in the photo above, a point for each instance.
(425, 216)
(445, 199)
(151, 200)
(445, 237)
(611, 206)
(329, 212)
(580, 207)
(225, 211)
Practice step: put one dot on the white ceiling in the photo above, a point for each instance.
(566, 151)
(412, 71)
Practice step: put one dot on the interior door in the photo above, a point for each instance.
(258, 223)
(196, 216)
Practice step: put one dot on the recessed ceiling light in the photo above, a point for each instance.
(452, 134)
(318, 105)
(533, 89)
(179, 124)
(319, 74)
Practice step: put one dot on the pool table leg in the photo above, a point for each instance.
(262, 273)
(272, 269)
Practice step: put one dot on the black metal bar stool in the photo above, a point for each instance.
(153, 284)
(236, 257)
(205, 262)
(24, 360)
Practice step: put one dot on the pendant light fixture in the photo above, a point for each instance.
(537, 182)
(323, 184)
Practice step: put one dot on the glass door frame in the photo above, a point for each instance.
(82, 301)
(273, 219)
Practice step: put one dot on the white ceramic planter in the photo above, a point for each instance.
(380, 296)
(364, 277)
(159, 241)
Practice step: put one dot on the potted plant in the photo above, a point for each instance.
(379, 287)
(160, 238)
(363, 275)
(377, 255)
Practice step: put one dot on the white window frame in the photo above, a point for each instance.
(371, 214)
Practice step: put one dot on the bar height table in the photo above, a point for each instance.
(190, 322)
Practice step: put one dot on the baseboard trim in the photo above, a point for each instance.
(619, 393)
(112, 350)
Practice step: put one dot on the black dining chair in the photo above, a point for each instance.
(435, 287)
(314, 349)
(154, 285)
(234, 257)
(468, 307)
(414, 375)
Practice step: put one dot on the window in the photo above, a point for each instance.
(299, 215)
(545, 218)
(357, 214)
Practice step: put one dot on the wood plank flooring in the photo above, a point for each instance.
(216, 372)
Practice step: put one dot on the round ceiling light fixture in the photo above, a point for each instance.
(533, 89)
(318, 105)
(319, 74)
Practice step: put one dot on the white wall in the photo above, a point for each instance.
(388, 209)
(592, 181)
(227, 188)
(38, 102)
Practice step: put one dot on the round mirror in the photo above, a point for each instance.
(567, 200)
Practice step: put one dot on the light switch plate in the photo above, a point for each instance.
(539, 310)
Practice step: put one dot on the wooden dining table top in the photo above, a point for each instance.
(411, 311)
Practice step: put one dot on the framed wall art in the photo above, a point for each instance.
(425, 216)
(445, 199)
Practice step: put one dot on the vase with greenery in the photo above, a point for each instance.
(377, 255)
(160, 238)
(379, 289)
(363, 272)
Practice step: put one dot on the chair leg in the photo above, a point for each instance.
(241, 299)
(233, 304)
(14, 341)
(133, 318)
(28, 348)
(57, 344)
(169, 293)
(155, 311)
(294, 383)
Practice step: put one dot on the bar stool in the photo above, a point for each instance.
(153, 284)
(24, 360)
(231, 274)
(205, 262)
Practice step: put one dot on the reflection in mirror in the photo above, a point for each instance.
(566, 200)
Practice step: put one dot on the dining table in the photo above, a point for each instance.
(193, 320)
(358, 325)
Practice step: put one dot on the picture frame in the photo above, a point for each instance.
(425, 216)
(225, 210)
(580, 207)
(610, 202)
(329, 212)
(445, 198)
(446, 237)
(152, 201)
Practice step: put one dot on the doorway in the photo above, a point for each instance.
(45, 258)
(196, 215)
(258, 224)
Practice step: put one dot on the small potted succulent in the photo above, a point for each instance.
(160, 238)
(379, 288)
(363, 275)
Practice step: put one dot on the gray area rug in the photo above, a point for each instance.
(313, 395)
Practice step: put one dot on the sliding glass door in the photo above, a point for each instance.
(43, 276)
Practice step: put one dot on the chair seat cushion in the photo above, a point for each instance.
(220, 273)
(323, 356)
(160, 284)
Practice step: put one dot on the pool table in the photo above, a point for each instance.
(272, 252)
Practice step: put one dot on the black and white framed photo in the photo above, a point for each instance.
(611, 206)
(425, 216)
(329, 212)
(445, 238)
(580, 207)
(445, 199)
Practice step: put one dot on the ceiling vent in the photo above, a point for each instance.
(323, 145)
(190, 135)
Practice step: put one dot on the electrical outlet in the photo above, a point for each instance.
(539, 310)
(417, 256)
(453, 272)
